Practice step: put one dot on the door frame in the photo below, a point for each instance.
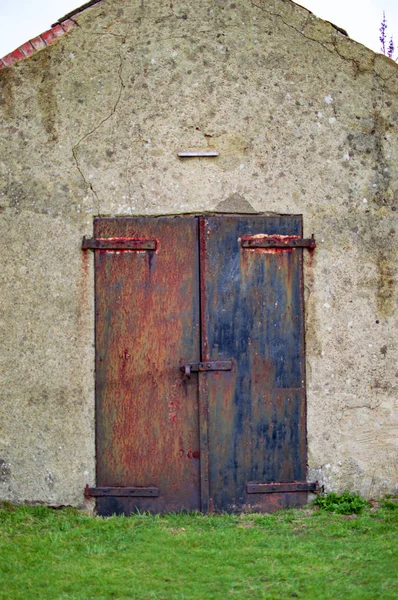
(203, 398)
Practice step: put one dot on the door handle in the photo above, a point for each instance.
(208, 365)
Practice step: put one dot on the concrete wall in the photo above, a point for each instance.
(305, 121)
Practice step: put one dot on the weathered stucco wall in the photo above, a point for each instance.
(305, 121)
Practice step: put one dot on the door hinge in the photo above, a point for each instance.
(277, 241)
(208, 365)
(275, 488)
(100, 492)
(117, 244)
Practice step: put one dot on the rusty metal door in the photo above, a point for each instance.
(252, 314)
(200, 380)
(147, 322)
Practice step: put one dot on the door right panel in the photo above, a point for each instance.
(252, 313)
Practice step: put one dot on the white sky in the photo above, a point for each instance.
(21, 20)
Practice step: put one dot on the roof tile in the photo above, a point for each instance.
(17, 54)
(38, 43)
(48, 37)
(9, 60)
(27, 49)
(57, 31)
(68, 24)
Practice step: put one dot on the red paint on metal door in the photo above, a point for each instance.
(200, 373)
(147, 322)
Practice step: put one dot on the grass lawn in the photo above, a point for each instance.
(309, 554)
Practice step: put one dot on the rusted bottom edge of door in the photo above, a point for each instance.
(127, 492)
(289, 486)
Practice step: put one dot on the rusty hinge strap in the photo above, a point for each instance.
(272, 488)
(117, 244)
(209, 365)
(99, 492)
(278, 242)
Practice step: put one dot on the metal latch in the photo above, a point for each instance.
(282, 487)
(278, 241)
(117, 244)
(209, 365)
(120, 491)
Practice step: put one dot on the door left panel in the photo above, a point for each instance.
(147, 324)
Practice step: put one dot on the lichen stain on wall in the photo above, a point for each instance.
(9, 83)
(312, 322)
(83, 291)
(382, 178)
(233, 148)
(386, 285)
(5, 471)
(46, 98)
(42, 70)
(369, 144)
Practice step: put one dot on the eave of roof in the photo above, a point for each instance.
(76, 11)
(46, 38)
(65, 24)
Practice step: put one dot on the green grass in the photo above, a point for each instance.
(309, 554)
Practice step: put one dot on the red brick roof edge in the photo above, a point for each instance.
(38, 43)
(46, 38)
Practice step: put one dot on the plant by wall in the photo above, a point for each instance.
(343, 504)
(387, 46)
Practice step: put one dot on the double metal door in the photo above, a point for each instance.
(200, 373)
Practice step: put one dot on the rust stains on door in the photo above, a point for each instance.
(147, 323)
(252, 314)
(200, 372)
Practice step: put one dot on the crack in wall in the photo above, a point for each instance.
(358, 70)
(301, 32)
(138, 140)
(116, 35)
(104, 120)
(333, 43)
(88, 183)
(355, 63)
